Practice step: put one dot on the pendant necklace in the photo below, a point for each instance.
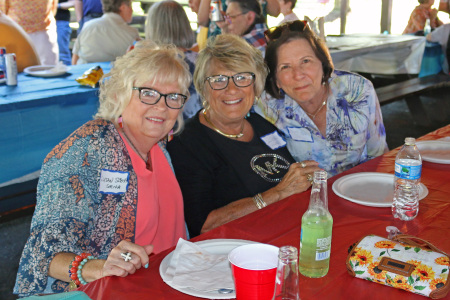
(313, 116)
(234, 136)
(134, 147)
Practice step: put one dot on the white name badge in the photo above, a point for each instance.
(113, 182)
(274, 140)
(300, 134)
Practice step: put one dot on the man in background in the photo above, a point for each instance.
(244, 18)
(286, 7)
(105, 38)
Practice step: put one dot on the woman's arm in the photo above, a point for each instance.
(95, 269)
(203, 13)
(294, 182)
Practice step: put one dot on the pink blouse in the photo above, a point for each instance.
(160, 215)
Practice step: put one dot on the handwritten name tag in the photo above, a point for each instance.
(300, 134)
(113, 182)
(274, 140)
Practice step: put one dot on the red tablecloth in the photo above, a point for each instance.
(279, 224)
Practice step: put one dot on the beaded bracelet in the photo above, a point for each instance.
(75, 268)
(259, 201)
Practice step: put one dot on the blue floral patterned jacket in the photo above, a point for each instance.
(71, 214)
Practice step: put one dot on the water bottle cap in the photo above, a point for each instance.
(410, 141)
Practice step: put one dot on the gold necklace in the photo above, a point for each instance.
(313, 116)
(233, 136)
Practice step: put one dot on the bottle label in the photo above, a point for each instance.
(323, 248)
(408, 172)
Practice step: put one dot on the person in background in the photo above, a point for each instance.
(63, 30)
(17, 41)
(441, 35)
(244, 18)
(107, 196)
(270, 7)
(105, 38)
(37, 18)
(444, 6)
(230, 162)
(179, 33)
(286, 7)
(202, 31)
(86, 10)
(419, 16)
(326, 115)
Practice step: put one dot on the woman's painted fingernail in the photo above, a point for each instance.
(146, 266)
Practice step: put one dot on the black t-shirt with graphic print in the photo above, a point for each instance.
(214, 170)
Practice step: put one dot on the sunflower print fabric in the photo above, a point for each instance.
(430, 272)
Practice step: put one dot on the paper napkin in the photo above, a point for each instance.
(193, 267)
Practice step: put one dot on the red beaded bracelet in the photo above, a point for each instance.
(74, 269)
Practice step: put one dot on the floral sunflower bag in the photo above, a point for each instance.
(405, 262)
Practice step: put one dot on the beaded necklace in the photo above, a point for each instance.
(233, 136)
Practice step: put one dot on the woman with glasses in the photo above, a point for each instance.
(326, 115)
(230, 162)
(107, 196)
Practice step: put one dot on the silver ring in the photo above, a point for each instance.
(302, 164)
(126, 256)
(309, 178)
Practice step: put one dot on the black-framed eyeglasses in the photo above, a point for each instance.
(151, 97)
(274, 33)
(219, 82)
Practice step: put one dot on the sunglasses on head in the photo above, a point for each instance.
(275, 33)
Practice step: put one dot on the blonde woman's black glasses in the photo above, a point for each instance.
(151, 97)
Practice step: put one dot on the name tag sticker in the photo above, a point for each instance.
(300, 134)
(113, 182)
(274, 140)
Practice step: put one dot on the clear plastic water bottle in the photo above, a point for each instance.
(408, 169)
(317, 225)
(286, 282)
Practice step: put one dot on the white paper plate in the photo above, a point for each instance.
(216, 246)
(370, 189)
(435, 151)
(45, 71)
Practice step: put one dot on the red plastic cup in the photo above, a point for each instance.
(254, 269)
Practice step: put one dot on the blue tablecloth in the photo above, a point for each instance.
(37, 114)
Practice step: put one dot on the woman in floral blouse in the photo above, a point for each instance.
(326, 115)
(107, 196)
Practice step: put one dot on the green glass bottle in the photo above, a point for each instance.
(317, 225)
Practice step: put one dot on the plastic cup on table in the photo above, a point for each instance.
(254, 269)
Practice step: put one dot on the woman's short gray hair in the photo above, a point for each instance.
(113, 5)
(235, 54)
(147, 62)
(167, 23)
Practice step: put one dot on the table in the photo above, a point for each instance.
(36, 115)
(377, 53)
(279, 224)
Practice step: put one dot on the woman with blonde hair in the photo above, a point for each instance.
(230, 162)
(107, 196)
